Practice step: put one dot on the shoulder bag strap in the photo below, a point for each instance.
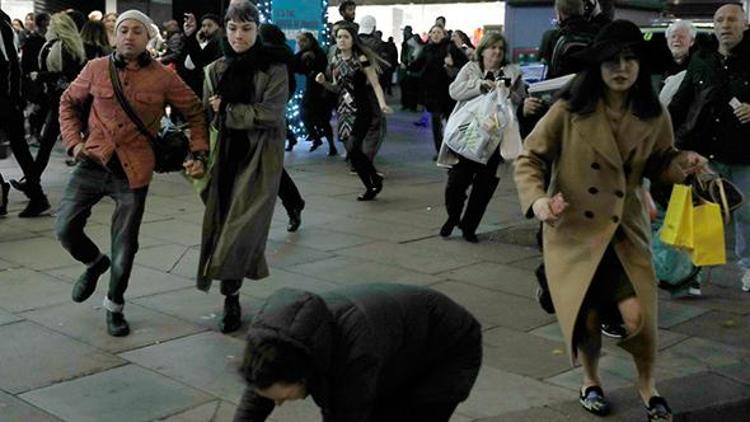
(125, 104)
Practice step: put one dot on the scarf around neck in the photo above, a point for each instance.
(237, 83)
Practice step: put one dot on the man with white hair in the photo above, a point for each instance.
(680, 38)
(116, 159)
(711, 114)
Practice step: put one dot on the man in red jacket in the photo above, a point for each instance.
(116, 160)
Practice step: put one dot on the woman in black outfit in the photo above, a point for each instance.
(354, 70)
(60, 61)
(316, 104)
(437, 65)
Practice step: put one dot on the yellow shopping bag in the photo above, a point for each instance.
(677, 230)
(708, 235)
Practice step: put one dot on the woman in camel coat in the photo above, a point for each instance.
(598, 142)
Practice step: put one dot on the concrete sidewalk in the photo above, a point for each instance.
(58, 363)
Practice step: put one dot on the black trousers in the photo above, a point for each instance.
(13, 123)
(289, 194)
(317, 121)
(88, 184)
(483, 183)
(437, 128)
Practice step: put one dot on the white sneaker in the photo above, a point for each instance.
(746, 281)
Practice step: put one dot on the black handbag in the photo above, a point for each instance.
(171, 147)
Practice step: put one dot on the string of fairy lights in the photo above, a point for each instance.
(293, 109)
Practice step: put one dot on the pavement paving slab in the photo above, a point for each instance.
(283, 254)
(493, 276)
(26, 252)
(494, 308)
(196, 307)
(207, 361)
(408, 256)
(13, 409)
(128, 393)
(723, 327)
(8, 317)
(34, 357)
(350, 270)
(523, 353)
(320, 238)
(86, 323)
(25, 289)
(497, 391)
(144, 281)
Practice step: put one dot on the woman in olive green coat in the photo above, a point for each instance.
(245, 92)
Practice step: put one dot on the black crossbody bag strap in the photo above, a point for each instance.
(117, 85)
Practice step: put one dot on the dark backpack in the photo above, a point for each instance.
(567, 44)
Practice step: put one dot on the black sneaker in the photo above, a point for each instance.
(86, 284)
(117, 326)
(614, 330)
(36, 207)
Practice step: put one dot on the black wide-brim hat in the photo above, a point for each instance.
(610, 41)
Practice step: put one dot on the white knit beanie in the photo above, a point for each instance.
(140, 17)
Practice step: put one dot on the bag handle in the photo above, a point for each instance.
(117, 85)
(724, 202)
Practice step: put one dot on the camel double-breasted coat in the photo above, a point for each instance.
(599, 172)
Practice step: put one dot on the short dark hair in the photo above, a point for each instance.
(242, 12)
(42, 20)
(344, 4)
(440, 18)
(585, 90)
(212, 16)
(267, 362)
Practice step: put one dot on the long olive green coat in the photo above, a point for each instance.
(599, 172)
(234, 248)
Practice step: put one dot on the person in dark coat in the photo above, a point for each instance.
(317, 105)
(437, 65)
(367, 353)
(201, 48)
(246, 93)
(711, 114)
(11, 116)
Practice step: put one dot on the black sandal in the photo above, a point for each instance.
(592, 399)
(658, 410)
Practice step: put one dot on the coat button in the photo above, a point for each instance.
(615, 219)
(619, 194)
(589, 214)
(595, 166)
(593, 190)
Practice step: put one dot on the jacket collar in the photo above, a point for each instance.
(595, 129)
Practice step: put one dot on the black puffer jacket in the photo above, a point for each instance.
(702, 117)
(372, 345)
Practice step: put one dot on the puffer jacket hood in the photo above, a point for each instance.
(301, 319)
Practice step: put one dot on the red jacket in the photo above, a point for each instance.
(148, 89)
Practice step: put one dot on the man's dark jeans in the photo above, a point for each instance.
(89, 183)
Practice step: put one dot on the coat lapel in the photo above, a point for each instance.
(595, 129)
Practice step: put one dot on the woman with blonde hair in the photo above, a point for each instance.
(354, 71)
(61, 59)
(109, 23)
